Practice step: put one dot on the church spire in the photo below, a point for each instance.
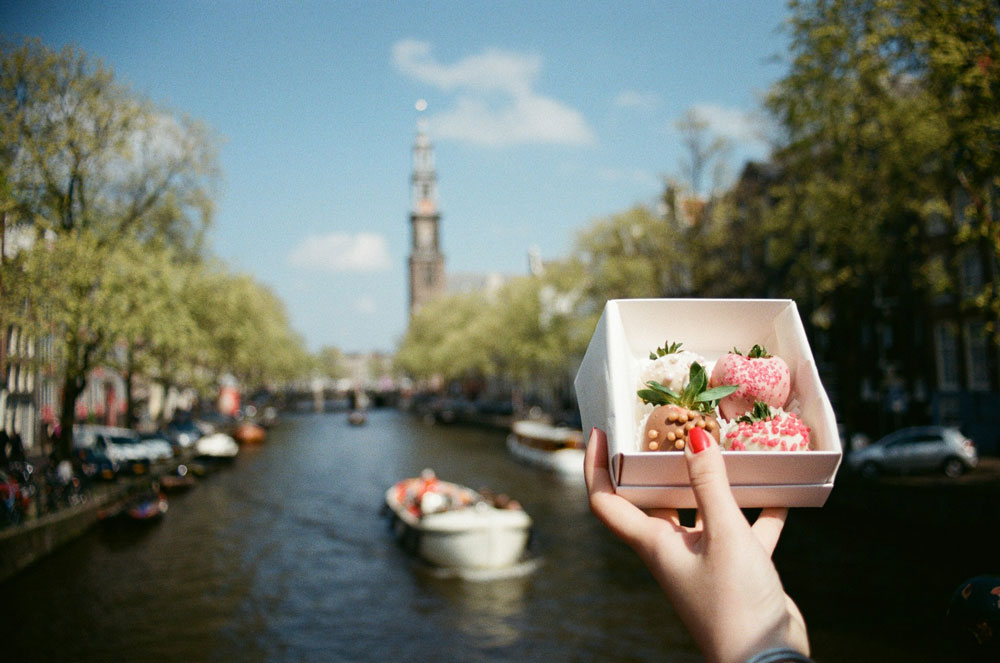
(427, 279)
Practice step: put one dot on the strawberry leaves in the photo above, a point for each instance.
(761, 412)
(756, 352)
(695, 396)
(667, 349)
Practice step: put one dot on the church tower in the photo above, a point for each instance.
(427, 278)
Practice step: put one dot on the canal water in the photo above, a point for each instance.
(284, 556)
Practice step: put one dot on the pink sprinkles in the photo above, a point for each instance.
(781, 433)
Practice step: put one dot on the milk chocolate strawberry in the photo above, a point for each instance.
(669, 425)
(761, 376)
(766, 429)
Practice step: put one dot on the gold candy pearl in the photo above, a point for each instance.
(671, 436)
(653, 434)
(679, 444)
(701, 424)
(653, 446)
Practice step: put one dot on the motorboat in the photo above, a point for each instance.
(217, 446)
(179, 480)
(452, 526)
(142, 506)
(556, 448)
(249, 433)
(357, 418)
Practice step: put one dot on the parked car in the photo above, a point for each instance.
(95, 464)
(183, 432)
(915, 450)
(123, 445)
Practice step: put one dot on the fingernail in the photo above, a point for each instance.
(700, 440)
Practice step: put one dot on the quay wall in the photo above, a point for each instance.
(22, 545)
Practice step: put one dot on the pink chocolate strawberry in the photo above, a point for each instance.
(761, 376)
(767, 429)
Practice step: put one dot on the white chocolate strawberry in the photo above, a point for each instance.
(761, 376)
(766, 429)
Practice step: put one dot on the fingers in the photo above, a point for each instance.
(710, 482)
(622, 517)
(767, 528)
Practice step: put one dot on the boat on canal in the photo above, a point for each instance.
(144, 506)
(248, 432)
(177, 481)
(556, 448)
(451, 526)
(216, 446)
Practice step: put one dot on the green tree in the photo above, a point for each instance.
(868, 164)
(91, 167)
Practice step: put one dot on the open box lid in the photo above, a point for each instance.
(628, 330)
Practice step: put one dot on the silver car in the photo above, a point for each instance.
(915, 450)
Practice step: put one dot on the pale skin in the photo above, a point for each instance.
(718, 574)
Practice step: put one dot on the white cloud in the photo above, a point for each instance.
(636, 99)
(341, 252)
(497, 103)
(730, 122)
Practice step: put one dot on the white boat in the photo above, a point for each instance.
(556, 448)
(451, 526)
(216, 445)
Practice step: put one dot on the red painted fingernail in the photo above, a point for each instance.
(700, 440)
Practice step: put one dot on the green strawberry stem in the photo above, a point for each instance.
(695, 396)
(667, 349)
(760, 412)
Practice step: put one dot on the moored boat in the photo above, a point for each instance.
(357, 418)
(557, 448)
(249, 433)
(452, 526)
(177, 481)
(216, 446)
(142, 506)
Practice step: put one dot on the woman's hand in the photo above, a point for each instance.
(718, 574)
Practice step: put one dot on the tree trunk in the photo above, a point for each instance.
(73, 387)
(129, 404)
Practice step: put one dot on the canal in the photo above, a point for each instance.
(283, 556)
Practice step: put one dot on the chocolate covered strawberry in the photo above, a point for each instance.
(668, 426)
(761, 376)
(766, 429)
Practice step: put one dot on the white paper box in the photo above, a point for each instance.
(606, 385)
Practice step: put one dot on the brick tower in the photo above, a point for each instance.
(427, 278)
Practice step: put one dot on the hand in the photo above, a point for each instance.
(718, 574)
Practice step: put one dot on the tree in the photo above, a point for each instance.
(72, 287)
(92, 168)
(868, 164)
(704, 154)
(89, 154)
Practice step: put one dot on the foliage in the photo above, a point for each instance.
(108, 198)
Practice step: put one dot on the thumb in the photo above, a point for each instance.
(710, 482)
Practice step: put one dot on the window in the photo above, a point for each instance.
(946, 345)
(971, 272)
(977, 356)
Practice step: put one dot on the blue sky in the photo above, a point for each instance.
(544, 116)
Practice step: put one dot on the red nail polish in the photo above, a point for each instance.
(700, 440)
